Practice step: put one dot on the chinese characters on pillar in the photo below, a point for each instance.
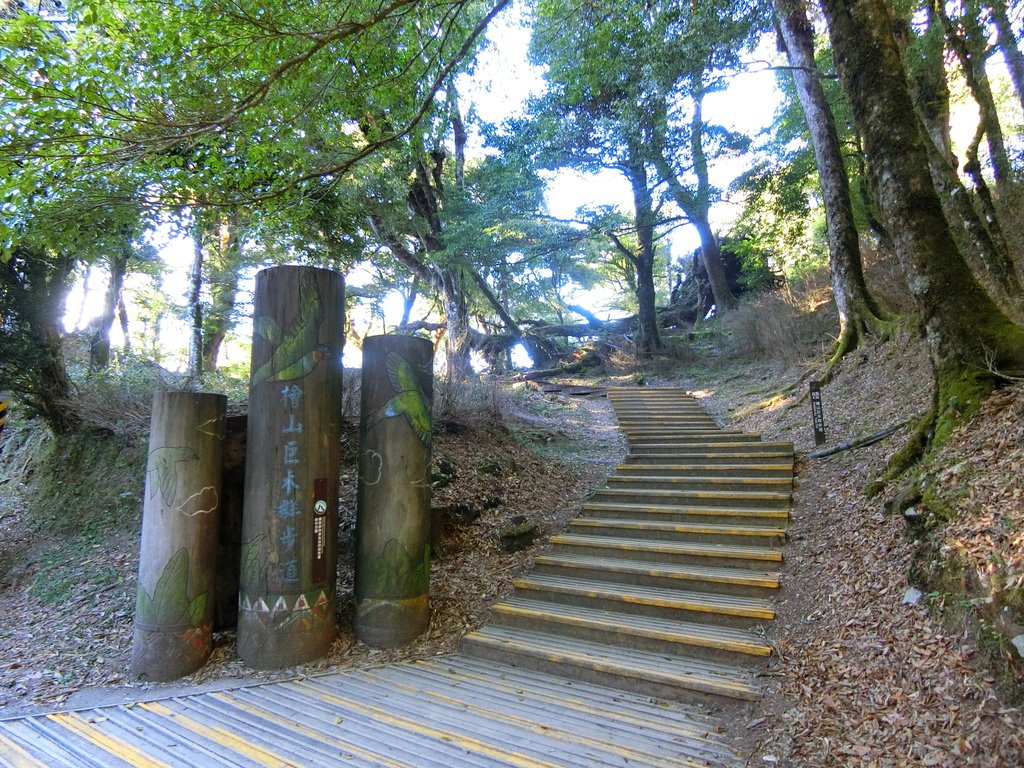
(288, 508)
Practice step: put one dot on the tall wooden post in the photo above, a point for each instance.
(392, 569)
(173, 631)
(288, 576)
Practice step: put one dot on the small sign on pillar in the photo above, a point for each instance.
(817, 413)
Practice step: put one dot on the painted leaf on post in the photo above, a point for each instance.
(409, 400)
(162, 470)
(197, 609)
(296, 351)
(169, 603)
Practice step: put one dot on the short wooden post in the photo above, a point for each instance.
(288, 575)
(392, 569)
(173, 631)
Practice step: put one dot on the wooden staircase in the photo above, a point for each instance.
(661, 583)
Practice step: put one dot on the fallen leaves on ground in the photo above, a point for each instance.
(862, 679)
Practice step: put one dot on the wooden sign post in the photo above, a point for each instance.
(173, 630)
(392, 569)
(288, 573)
(817, 413)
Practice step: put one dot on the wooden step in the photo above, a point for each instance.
(752, 469)
(645, 443)
(674, 552)
(679, 531)
(644, 672)
(706, 607)
(700, 578)
(630, 631)
(697, 483)
(683, 513)
(717, 453)
(754, 499)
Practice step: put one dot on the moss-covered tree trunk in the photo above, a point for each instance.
(966, 332)
(859, 315)
(223, 268)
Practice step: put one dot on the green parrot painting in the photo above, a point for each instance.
(296, 351)
(408, 400)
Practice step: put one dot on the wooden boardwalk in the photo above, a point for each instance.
(604, 656)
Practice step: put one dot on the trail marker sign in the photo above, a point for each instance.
(817, 413)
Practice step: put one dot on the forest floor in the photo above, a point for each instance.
(862, 675)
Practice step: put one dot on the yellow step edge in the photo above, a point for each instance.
(738, 579)
(695, 639)
(310, 733)
(710, 511)
(527, 725)
(634, 478)
(633, 525)
(640, 545)
(695, 606)
(14, 755)
(222, 736)
(119, 748)
(468, 743)
(696, 682)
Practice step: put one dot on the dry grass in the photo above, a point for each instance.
(786, 325)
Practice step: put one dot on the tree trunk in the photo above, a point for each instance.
(222, 277)
(195, 307)
(447, 282)
(710, 252)
(981, 242)
(926, 67)
(857, 309)
(122, 316)
(409, 300)
(1009, 45)
(968, 43)
(34, 285)
(649, 336)
(967, 334)
(456, 314)
(99, 338)
(709, 248)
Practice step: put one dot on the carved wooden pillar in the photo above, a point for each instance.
(392, 569)
(177, 565)
(290, 521)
